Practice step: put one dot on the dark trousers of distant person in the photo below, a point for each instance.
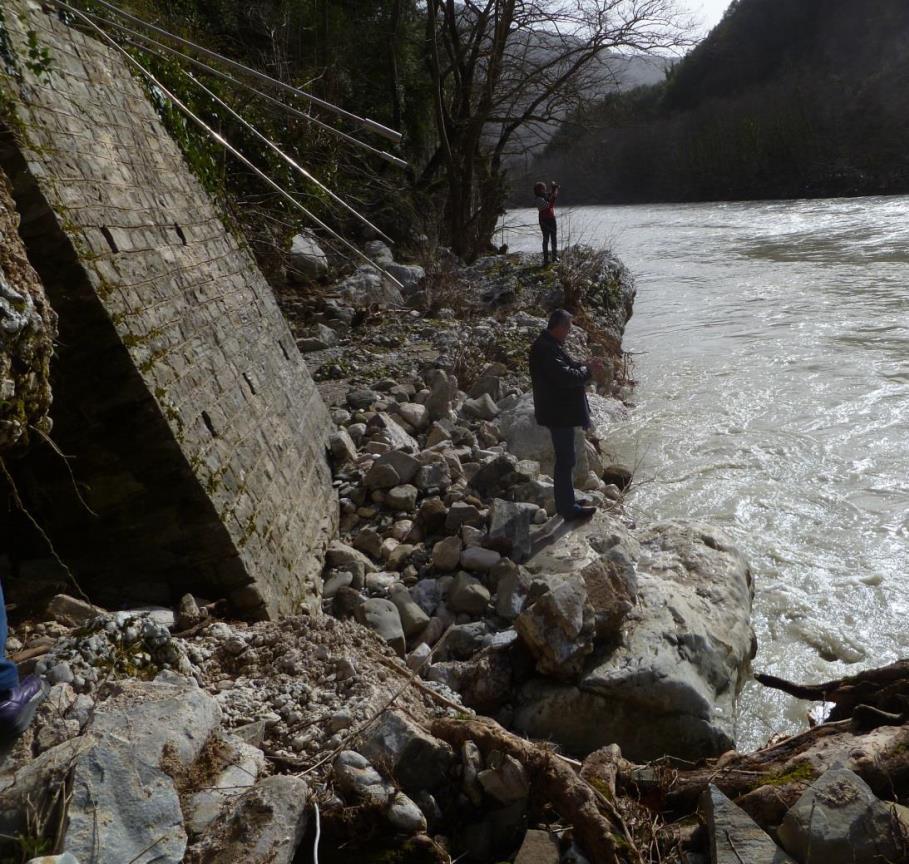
(550, 237)
(563, 473)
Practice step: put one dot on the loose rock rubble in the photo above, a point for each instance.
(445, 532)
(211, 727)
(451, 589)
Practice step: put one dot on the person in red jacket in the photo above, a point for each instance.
(546, 207)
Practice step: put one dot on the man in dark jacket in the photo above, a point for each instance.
(560, 402)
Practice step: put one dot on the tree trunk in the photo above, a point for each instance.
(393, 48)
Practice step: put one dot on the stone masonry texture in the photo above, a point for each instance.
(197, 433)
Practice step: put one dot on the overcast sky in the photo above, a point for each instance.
(709, 11)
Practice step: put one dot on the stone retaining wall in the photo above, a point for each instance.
(197, 432)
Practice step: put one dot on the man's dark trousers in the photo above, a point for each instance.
(563, 474)
(550, 235)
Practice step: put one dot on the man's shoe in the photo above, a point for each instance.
(580, 512)
(18, 709)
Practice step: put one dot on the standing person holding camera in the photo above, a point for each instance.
(546, 207)
(560, 403)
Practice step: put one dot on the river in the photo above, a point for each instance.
(771, 351)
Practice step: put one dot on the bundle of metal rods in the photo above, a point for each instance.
(114, 32)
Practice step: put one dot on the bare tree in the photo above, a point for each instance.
(502, 69)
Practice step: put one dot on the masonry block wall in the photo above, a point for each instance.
(197, 433)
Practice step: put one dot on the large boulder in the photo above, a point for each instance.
(526, 439)
(65, 858)
(233, 766)
(840, 821)
(379, 251)
(33, 784)
(612, 589)
(604, 414)
(306, 259)
(669, 687)
(124, 800)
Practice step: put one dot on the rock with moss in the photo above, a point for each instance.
(28, 327)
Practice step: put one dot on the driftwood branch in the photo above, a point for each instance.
(885, 689)
(557, 782)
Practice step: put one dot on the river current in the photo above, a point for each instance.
(771, 351)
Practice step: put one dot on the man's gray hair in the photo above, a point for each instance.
(558, 318)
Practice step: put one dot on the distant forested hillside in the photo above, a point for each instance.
(785, 98)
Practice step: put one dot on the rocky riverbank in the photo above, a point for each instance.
(461, 622)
